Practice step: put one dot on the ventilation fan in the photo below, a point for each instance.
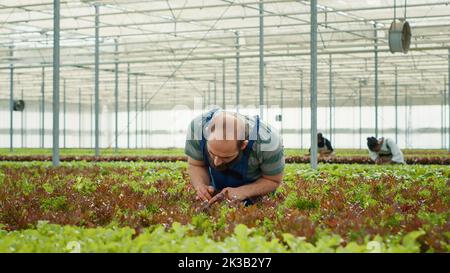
(399, 33)
(19, 105)
(399, 36)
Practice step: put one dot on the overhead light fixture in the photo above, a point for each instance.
(166, 17)
(98, 2)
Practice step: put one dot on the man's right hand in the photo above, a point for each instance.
(204, 192)
(380, 161)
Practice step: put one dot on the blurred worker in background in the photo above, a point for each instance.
(384, 151)
(233, 156)
(325, 149)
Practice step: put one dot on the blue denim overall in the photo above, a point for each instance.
(236, 174)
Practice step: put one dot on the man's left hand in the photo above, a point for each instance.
(233, 194)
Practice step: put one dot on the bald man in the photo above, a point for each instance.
(233, 156)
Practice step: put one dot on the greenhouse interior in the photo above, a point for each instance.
(121, 122)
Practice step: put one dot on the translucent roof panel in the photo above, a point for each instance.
(185, 49)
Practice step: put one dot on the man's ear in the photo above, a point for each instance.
(244, 144)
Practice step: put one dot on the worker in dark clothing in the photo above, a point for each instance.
(324, 147)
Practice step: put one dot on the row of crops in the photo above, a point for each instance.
(151, 207)
(344, 156)
(180, 152)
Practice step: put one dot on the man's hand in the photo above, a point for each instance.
(381, 161)
(204, 192)
(233, 194)
(387, 161)
(200, 180)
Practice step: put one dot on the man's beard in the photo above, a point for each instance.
(225, 166)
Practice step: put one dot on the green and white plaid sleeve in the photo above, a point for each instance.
(192, 146)
(273, 161)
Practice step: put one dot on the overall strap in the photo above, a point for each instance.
(253, 135)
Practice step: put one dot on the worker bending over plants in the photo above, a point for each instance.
(234, 157)
(384, 151)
